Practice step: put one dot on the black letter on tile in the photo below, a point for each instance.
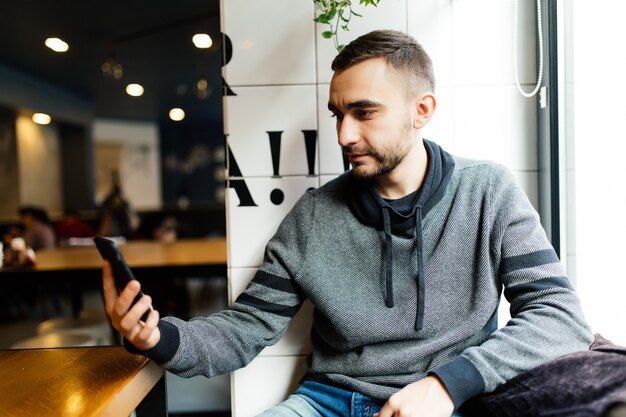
(346, 162)
(310, 139)
(275, 139)
(227, 54)
(239, 185)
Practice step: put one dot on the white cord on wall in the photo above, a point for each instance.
(540, 38)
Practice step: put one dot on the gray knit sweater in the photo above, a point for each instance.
(398, 296)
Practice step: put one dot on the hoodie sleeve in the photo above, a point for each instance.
(230, 339)
(546, 317)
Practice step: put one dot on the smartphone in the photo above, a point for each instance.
(121, 272)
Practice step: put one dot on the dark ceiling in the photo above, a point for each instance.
(151, 39)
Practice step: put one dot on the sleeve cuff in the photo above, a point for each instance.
(462, 380)
(165, 349)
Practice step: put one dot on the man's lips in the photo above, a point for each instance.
(356, 156)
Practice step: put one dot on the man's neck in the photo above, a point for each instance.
(407, 177)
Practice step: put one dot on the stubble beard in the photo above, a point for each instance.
(385, 160)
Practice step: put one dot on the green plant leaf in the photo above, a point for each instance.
(327, 34)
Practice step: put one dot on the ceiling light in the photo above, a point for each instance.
(202, 40)
(202, 84)
(57, 45)
(134, 90)
(41, 119)
(177, 114)
(112, 68)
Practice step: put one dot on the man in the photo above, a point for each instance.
(38, 234)
(404, 259)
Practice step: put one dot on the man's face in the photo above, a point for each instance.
(374, 117)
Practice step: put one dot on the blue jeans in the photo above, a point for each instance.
(314, 399)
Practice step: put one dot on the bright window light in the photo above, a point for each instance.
(57, 45)
(177, 114)
(135, 90)
(41, 119)
(202, 40)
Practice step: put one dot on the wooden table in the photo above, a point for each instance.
(186, 253)
(85, 382)
(80, 266)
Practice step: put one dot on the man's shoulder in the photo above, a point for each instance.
(479, 169)
(339, 184)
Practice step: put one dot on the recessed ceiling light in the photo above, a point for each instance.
(177, 114)
(134, 90)
(57, 45)
(41, 119)
(202, 40)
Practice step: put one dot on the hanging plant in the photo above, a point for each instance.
(337, 15)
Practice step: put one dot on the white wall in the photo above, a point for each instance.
(39, 156)
(595, 103)
(140, 163)
(281, 77)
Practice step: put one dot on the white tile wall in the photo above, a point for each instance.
(331, 160)
(258, 110)
(440, 127)
(389, 14)
(482, 33)
(266, 381)
(495, 122)
(273, 42)
(430, 22)
(249, 228)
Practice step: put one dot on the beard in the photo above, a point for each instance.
(385, 159)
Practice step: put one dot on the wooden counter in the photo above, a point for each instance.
(138, 254)
(85, 382)
(78, 268)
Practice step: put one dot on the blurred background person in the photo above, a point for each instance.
(38, 233)
(72, 226)
(117, 218)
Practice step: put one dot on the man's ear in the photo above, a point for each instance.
(425, 106)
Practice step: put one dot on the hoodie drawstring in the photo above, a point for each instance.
(419, 314)
(389, 253)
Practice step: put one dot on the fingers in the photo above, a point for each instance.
(147, 333)
(386, 411)
(125, 299)
(126, 317)
(133, 316)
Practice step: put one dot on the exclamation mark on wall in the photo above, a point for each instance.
(346, 162)
(310, 141)
(276, 196)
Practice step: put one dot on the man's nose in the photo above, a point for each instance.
(347, 132)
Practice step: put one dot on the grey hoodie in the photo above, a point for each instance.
(399, 296)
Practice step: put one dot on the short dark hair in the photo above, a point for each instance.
(36, 213)
(400, 50)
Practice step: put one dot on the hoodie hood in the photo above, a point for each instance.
(372, 210)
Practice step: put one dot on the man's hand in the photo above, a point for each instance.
(425, 398)
(127, 321)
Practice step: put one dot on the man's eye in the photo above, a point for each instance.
(362, 114)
